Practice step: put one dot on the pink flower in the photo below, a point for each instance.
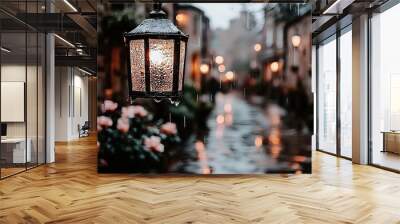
(128, 112)
(169, 128)
(133, 111)
(153, 144)
(109, 106)
(123, 125)
(103, 121)
(141, 111)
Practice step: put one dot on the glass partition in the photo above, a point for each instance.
(327, 95)
(14, 153)
(346, 93)
(22, 89)
(41, 97)
(31, 97)
(385, 89)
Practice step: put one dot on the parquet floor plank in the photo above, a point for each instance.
(71, 191)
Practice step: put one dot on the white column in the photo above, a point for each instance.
(360, 90)
(50, 92)
(50, 98)
(314, 92)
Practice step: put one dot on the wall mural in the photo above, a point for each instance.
(234, 99)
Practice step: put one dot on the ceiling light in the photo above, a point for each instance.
(70, 5)
(337, 7)
(79, 51)
(64, 40)
(5, 50)
(84, 71)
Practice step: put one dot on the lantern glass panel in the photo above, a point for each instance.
(137, 57)
(161, 65)
(181, 64)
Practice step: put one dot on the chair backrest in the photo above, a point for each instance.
(86, 124)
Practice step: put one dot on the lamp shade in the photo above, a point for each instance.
(156, 63)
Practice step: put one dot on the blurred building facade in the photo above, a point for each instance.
(235, 43)
(193, 22)
(298, 53)
(280, 62)
(272, 41)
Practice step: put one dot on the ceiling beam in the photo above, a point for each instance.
(79, 61)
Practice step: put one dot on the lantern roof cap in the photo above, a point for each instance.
(156, 26)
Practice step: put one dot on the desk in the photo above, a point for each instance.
(391, 141)
(15, 148)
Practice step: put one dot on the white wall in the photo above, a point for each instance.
(16, 73)
(80, 97)
(61, 103)
(71, 94)
(11, 73)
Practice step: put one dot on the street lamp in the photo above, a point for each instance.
(274, 66)
(219, 60)
(156, 63)
(230, 75)
(181, 19)
(204, 69)
(257, 47)
(221, 68)
(296, 41)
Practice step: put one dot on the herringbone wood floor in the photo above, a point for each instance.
(71, 191)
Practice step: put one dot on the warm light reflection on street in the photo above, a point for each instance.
(228, 108)
(274, 137)
(275, 151)
(228, 119)
(258, 142)
(243, 138)
(202, 157)
(220, 119)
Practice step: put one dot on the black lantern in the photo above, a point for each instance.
(156, 63)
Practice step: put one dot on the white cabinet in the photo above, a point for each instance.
(17, 146)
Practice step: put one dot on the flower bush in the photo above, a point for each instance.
(130, 140)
